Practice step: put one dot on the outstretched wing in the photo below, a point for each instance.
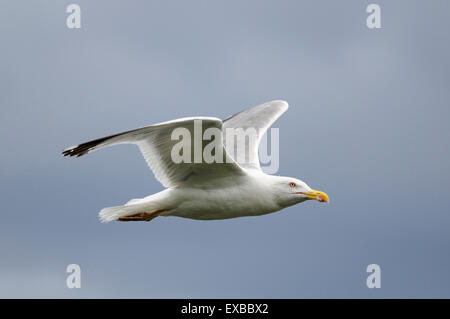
(256, 119)
(156, 144)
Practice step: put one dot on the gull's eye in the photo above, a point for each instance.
(292, 185)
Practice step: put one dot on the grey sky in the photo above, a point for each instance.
(368, 124)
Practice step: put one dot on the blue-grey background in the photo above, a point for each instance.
(368, 124)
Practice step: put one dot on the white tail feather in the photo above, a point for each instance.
(134, 206)
(114, 213)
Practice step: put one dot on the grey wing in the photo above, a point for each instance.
(250, 125)
(156, 145)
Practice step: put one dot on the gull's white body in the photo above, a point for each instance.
(249, 195)
(206, 191)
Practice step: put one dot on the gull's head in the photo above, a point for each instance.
(290, 191)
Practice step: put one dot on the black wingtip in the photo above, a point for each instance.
(77, 151)
(66, 153)
(85, 148)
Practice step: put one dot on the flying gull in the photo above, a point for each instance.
(206, 190)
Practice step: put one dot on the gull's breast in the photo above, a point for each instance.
(222, 203)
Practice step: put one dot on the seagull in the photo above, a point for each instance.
(206, 190)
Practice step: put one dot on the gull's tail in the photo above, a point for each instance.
(148, 206)
(133, 207)
(114, 213)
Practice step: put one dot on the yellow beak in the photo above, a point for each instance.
(317, 195)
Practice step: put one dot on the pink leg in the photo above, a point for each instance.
(144, 216)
